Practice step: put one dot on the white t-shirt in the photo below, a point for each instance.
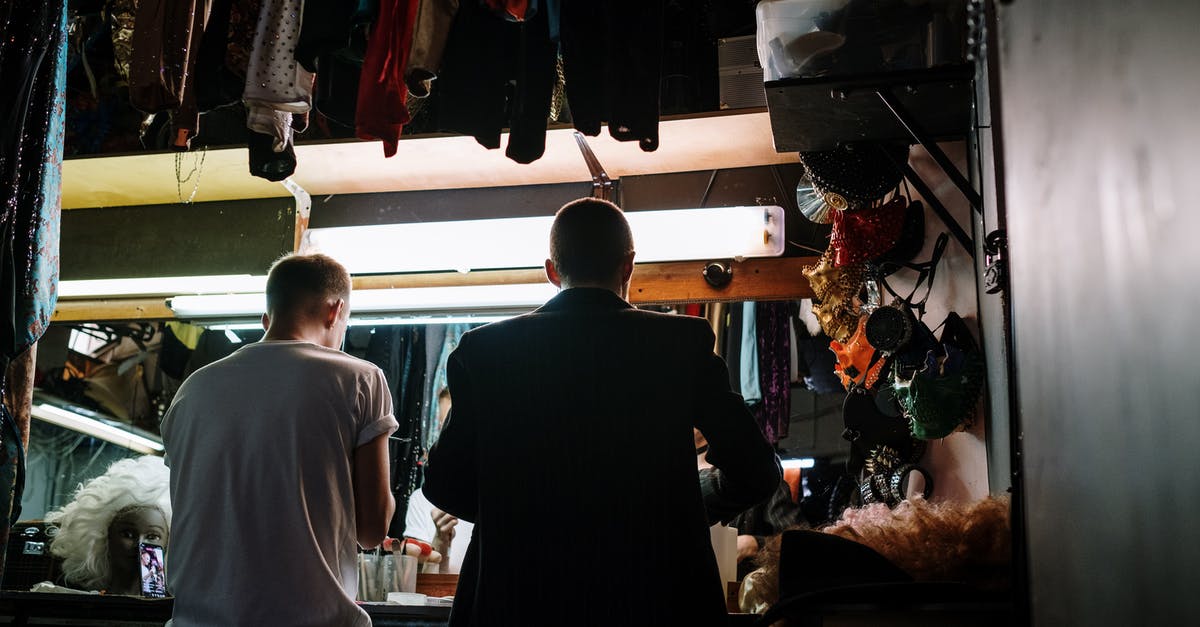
(418, 523)
(260, 446)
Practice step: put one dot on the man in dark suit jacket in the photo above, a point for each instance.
(569, 445)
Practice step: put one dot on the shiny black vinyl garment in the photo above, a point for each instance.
(612, 60)
(569, 444)
(497, 74)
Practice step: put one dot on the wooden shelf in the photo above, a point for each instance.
(710, 141)
(653, 284)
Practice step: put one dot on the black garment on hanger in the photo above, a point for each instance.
(400, 352)
(612, 60)
(497, 74)
(324, 28)
(265, 162)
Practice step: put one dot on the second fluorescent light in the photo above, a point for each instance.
(672, 235)
(428, 299)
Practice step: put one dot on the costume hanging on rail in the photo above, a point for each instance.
(612, 59)
(382, 109)
(431, 28)
(495, 74)
(33, 62)
(165, 47)
(400, 352)
(278, 93)
(773, 325)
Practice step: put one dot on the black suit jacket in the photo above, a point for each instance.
(569, 445)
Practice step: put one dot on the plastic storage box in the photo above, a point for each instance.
(809, 38)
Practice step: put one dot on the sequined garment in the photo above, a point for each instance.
(121, 17)
(774, 368)
(865, 234)
(277, 86)
(836, 289)
(33, 62)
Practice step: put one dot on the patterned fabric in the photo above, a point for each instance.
(277, 86)
(33, 62)
(774, 368)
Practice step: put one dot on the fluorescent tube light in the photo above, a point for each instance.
(380, 321)
(417, 299)
(399, 320)
(96, 428)
(804, 462)
(672, 235)
(162, 286)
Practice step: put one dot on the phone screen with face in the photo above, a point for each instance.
(154, 574)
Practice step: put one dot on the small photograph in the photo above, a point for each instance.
(154, 574)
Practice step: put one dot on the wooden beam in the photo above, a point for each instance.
(110, 309)
(653, 284)
(753, 279)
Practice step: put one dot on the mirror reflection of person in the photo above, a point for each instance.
(567, 446)
(448, 535)
(101, 528)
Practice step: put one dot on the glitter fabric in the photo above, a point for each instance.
(774, 368)
(33, 61)
(836, 289)
(865, 234)
(121, 15)
(277, 86)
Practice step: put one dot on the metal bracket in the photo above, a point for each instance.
(303, 212)
(936, 205)
(919, 135)
(602, 186)
(995, 246)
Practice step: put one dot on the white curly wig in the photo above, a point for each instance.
(82, 539)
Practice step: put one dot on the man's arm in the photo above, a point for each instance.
(745, 467)
(451, 480)
(373, 500)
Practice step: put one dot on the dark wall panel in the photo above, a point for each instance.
(227, 237)
(441, 205)
(1099, 101)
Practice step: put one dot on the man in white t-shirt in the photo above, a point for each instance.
(279, 466)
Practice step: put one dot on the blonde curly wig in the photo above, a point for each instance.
(82, 540)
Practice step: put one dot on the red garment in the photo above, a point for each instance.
(382, 109)
(515, 9)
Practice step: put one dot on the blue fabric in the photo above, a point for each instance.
(437, 380)
(33, 59)
(749, 355)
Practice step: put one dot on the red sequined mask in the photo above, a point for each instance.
(864, 234)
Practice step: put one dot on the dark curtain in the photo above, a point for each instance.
(400, 352)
